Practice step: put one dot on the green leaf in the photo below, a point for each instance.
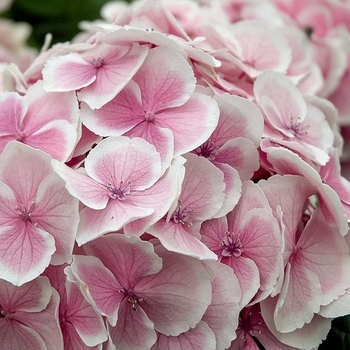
(339, 335)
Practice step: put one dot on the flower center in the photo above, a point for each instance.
(149, 116)
(250, 322)
(231, 244)
(97, 63)
(182, 215)
(20, 136)
(24, 213)
(208, 150)
(120, 192)
(132, 297)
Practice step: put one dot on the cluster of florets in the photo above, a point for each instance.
(171, 179)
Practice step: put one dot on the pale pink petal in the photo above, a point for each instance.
(238, 118)
(159, 197)
(87, 323)
(309, 336)
(57, 138)
(99, 285)
(232, 190)
(176, 297)
(128, 259)
(300, 298)
(82, 186)
(57, 213)
(175, 238)
(240, 154)
(44, 107)
(191, 123)
(32, 296)
(45, 323)
(223, 311)
(200, 337)
(262, 242)
(161, 138)
(166, 80)
(134, 330)
(203, 188)
(72, 340)
(17, 336)
(280, 100)
(19, 166)
(12, 110)
(25, 252)
(118, 160)
(119, 115)
(261, 47)
(8, 204)
(95, 223)
(325, 252)
(67, 73)
(116, 66)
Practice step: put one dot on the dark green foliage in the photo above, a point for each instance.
(339, 336)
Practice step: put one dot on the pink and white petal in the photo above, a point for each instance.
(280, 100)
(200, 337)
(67, 73)
(118, 67)
(118, 116)
(222, 313)
(159, 197)
(232, 190)
(203, 188)
(262, 47)
(44, 107)
(16, 336)
(86, 142)
(72, 340)
(242, 155)
(166, 80)
(239, 117)
(337, 308)
(176, 297)
(19, 166)
(325, 252)
(87, 322)
(162, 139)
(32, 296)
(8, 204)
(176, 239)
(192, 123)
(309, 336)
(117, 159)
(252, 197)
(57, 212)
(25, 251)
(129, 259)
(212, 232)
(262, 242)
(288, 191)
(13, 109)
(134, 330)
(99, 285)
(57, 138)
(95, 223)
(300, 298)
(247, 274)
(45, 323)
(81, 186)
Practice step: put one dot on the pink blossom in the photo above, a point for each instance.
(118, 185)
(160, 106)
(82, 327)
(99, 73)
(137, 289)
(28, 316)
(46, 121)
(201, 197)
(38, 216)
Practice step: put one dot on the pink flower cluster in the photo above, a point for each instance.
(171, 179)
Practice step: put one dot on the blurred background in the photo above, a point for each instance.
(58, 17)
